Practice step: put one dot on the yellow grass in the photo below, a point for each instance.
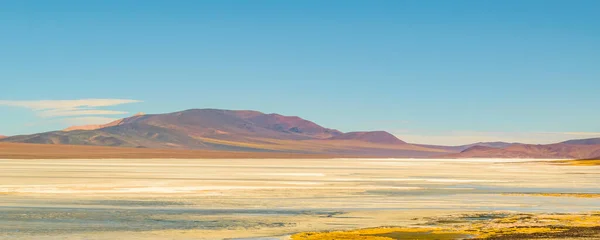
(517, 224)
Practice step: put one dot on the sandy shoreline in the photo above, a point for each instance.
(52, 151)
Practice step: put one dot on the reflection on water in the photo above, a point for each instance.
(68, 196)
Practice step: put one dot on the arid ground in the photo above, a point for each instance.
(275, 198)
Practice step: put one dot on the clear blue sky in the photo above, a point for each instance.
(424, 70)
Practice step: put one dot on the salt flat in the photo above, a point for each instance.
(236, 198)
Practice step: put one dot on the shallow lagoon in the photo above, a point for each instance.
(238, 198)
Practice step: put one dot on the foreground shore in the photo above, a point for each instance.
(273, 199)
(497, 225)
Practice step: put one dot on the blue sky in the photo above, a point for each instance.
(444, 72)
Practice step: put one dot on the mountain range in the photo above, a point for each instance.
(253, 131)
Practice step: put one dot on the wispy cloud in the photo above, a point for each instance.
(71, 112)
(468, 137)
(67, 108)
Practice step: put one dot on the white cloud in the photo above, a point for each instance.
(69, 108)
(453, 138)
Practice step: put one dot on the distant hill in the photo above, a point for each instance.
(550, 151)
(228, 130)
(381, 137)
(2, 136)
(589, 141)
(461, 148)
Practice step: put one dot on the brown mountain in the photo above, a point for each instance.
(214, 129)
(2, 136)
(551, 151)
(380, 137)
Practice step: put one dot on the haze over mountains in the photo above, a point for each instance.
(253, 131)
